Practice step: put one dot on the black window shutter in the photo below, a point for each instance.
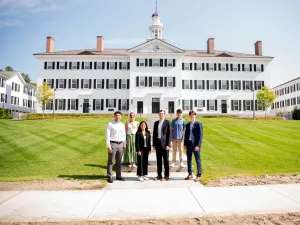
(64, 104)
(226, 66)
(77, 83)
(90, 83)
(240, 88)
(116, 81)
(240, 105)
(161, 62)
(207, 105)
(182, 84)
(207, 84)
(251, 105)
(255, 105)
(106, 103)
(82, 65)
(128, 65)
(120, 83)
(102, 104)
(116, 65)
(220, 67)
(183, 104)
(137, 62)
(146, 62)
(203, 67)
(119, 105)
(250, 65)
(232, 85)
(166, 84)
(244, 85)
(203, 84)
(66, 65)
(103, 65)
(56, 83)
(102, 83)
(95, 83)
(45, 65)
(182, 66)
(146, 79)
(115, 103)
(232, 105)
(161, 81)
(150, 62)
(107, 82)
(107, 65)
(150, 81)
(263, 83)
(195, 84)
(203, 103)
(81, 83)
(128, 83)
(207, 66)
(254, 67)
(195, 66)
(55, 104)
(57, 65)
(120, 66)
(220, 87)
(137, 82)
(94, 104)
(174, 62)
(52, 84)
(244, 105)
(262, 67)
(243, 67)
(68, 104)
(95, 65)
(231, 67)
(127, 104)
(255, 85)
(191, 84)
(70, 65)
(239, 67)
(174, 85)
(216, 85)
(166, 62)
(191, 66)
(195, 101)
(215, 66)
(216, 105)
(227, 84)
(78, 65)
(70, 84)
(191, 104)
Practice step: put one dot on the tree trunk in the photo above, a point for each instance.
(265, 114)
(43, 113)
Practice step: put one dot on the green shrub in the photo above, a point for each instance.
(4, 114)
(68, 116)
(296, 114)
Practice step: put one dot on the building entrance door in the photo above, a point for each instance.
(155, 105)
(171, 107)
(86, 106)
(140, 107)
(224, 106)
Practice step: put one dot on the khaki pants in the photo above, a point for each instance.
(177, 144)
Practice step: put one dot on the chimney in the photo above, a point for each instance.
(211, 46)
(50, 45)
(100, 44)
(258, 48)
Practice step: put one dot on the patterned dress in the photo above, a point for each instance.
(130, 155)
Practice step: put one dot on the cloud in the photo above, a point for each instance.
(9, 23)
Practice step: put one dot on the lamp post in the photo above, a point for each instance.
(53, 106)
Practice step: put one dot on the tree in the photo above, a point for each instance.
(1, 70)
(265, 98)
(26, 77)
(44, 95)
(9, 68)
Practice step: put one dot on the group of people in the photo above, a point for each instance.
(134, 140)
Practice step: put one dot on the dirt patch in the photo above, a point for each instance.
(52, 185)
(261, 180)
(261, 219)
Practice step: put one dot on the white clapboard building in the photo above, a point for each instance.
(152, 76)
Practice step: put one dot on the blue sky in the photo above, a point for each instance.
(235, 24)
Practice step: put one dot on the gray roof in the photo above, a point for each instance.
(8, 74)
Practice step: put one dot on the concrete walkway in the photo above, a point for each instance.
(122, 204)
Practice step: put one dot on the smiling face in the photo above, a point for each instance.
(161, 115)
(143, 126)
(131, 116)
(118, 117)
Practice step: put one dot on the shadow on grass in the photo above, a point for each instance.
(83, 177)
(96, 165)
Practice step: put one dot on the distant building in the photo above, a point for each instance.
(15, 94)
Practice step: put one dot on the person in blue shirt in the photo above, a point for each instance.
(178, 129)
(192, 144)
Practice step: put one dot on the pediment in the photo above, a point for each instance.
(86, 52)
(224, 55)
(156, 46)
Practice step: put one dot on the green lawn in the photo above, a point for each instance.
(75, 148)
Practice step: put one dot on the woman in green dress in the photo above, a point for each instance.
(131, 127)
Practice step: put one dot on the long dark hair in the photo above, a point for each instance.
(140, 128)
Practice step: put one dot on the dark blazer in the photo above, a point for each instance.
(197, 134)
(139, 141)
(165, 134)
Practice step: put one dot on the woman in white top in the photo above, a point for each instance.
(131, 128)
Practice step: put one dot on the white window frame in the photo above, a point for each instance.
(258, 85)
(142, 81)
(60, 104)
(199, 66)
(235, 85)
(142, 62)
(156, 82)
(111, 103)
(99, 65)
(124, 65)
(2, 99)
(123, 84)
(29, 103)
(186, 105)
(72, 83)
(212, 85)
(235, 105)
(48, 106)
(62, 65)
(186, 84)
(223, 84)
(259, 107)
(86, 83)
(170, 63)
(99, 84)
(187, 66)
(200, 103)
(87, 65)
(248, 105)
(247, 83)
(24, 102)
(211, 105)
(73, 104)
(61, 82)
(49, 82)
(111, 84)
(155, 62)
(112, 65)
(123, 104)
(98, 104)
(73, 65)
(258, 67)
(29, 91)
(223, 67)
(49, 66)
(199, 85)
(246, 67)
(235, 67)
(169, 81)
(294, 102)
(211, 67)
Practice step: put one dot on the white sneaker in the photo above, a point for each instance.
(173, 164)
(145, 178)
(130, 165)
(140, 178)
(182, 165)
(133, 165)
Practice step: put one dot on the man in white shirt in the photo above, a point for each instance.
(116, 145)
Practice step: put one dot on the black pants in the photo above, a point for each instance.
(142, 168)
(162, 153)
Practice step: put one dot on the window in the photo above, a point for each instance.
(74, 65)
(186, 84)
(86, 83)
(170, 82)
(259, 107)
(211, 84)
(48, 106)
(235, 67)
(293, 101)
(124, 65)
(25, 102)
(210, 66)
(142, 82)
(155, 62)
(99, 65)
(99, 83)
(50, 65)
(110, 103)
(25, 91)
(248, 105)
(30, 91)
(29, 104)
(49, 82)
(142, 62)
(156, 82)
(73, 104)
(198, 66)
(87, 65)
(2, 99)
(60, 104)
(170, 62)
(288, 103)
(235, 105)
(61, 83)
(199, 84)
(298, 100)
(111, 84)
(258, 67)
(74, 83)
(123, 104)
(223, 67)
(247, 85)
(258, 85)
(97, 104)
(211, 105)
(235, 85)
(186, 66)
(200, 103)
(62, 65)
(123, 84)
(112, 65)
(224, 85)
(186, 105)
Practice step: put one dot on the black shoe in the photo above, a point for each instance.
(120, 178)
(110, 181)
